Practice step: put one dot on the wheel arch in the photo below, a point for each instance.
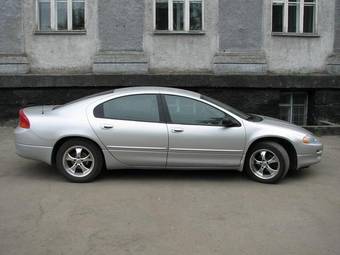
(286, 144)
(62, 140)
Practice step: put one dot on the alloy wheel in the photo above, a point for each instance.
(265, 164)
(78, 161)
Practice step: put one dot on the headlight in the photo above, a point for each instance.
(309, 140)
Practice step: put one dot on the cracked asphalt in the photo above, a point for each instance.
(168, 212)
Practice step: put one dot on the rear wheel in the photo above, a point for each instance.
(267, 162)
(79, 160)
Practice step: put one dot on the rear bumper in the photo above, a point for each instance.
(310, 157)
(41, 153)
(31, 146)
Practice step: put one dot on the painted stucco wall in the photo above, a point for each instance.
(182, 53)
(120, 25)
(337, 27)
(60, 53)
(240, 25)
(11, 27)
(300, 54)
(128, 26)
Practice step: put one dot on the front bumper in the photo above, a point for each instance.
(311, 155)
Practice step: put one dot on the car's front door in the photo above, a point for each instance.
(131, 129)
(197, 137)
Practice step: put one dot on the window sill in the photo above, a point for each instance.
(311, 35)
(79, 32)
(178, 32)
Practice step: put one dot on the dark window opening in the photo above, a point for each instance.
(162, 16)
(277, 22)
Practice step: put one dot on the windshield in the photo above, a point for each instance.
(227, 107)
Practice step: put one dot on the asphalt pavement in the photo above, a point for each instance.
(168, 212)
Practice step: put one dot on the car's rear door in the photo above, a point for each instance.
(197, 137)
(131, 129)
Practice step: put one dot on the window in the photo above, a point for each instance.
(188, 111)
(294, 16)
(179, 15)
(294, 108)
(134, 108)
(60, 15)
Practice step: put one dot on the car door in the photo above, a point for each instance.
(131, 129)
(197, 137)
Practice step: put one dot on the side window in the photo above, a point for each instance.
(179, 15)
(135, 108)
(60, 15)
(184, 110)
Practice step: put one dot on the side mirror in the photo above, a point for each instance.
(227, 122)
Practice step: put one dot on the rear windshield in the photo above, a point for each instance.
(86, 97)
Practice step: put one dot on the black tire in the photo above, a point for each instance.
(87, 146)
(270, 148)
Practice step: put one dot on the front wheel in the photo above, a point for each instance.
(267, 162)
(79, 160)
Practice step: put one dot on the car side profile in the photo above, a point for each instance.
(161, 128)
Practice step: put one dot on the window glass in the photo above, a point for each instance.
(299, 115)
(78, 15)
(162, 15)
(277, 22)
(184, 110)
(68, 15)
(62, 14)
(309, 19)
(135, 108)
(196, 15)
(44, 15)
(178, 14)
(293, 107)
(293, 16)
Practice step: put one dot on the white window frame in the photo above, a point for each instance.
(54, 16)
(186, 16)
(302, 4)
(291, 105)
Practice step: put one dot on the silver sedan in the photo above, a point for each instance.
(161, 128)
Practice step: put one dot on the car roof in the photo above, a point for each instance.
(161, 90)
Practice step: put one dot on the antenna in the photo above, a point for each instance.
(42, 110)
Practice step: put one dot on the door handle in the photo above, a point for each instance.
(177, 130)
(107, 126)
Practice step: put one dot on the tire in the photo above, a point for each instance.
(79, 160)
(263, 159)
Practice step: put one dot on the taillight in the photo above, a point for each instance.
(23, 120)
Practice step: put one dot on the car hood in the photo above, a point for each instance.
(283, 124)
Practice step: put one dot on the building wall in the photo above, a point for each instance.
(286, 54)
(337, 27)
(230, 26)
(120, 25)
(240, 25)
(11, 27)
(182, 53)
(60, 53)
